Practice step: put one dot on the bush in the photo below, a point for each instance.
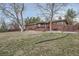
(3, 29)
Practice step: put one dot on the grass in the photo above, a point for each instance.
(24, 44)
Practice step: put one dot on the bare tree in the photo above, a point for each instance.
(49, 10)
(14, 11)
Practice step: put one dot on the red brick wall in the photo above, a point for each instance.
(55, 27)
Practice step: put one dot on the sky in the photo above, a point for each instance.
(32, 10)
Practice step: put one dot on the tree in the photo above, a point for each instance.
(14, 11)
(3, 27)
(70, 15)
(31, 20)
(49, 10)
(60, 18)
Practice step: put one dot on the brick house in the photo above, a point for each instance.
(44, 26)
(13, 27)
(57, 25)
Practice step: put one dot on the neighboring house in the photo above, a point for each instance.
(76, 27)
(12, 27)
(44, 26)
(58, 25)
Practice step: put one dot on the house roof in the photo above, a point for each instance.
(55, 21)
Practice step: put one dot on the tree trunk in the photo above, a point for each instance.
(50, 25)
(21, 28)
(52, 14)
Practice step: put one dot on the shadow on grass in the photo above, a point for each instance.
(52, 39)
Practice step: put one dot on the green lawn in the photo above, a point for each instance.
(38, 43)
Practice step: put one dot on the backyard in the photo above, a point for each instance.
(38, 43)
